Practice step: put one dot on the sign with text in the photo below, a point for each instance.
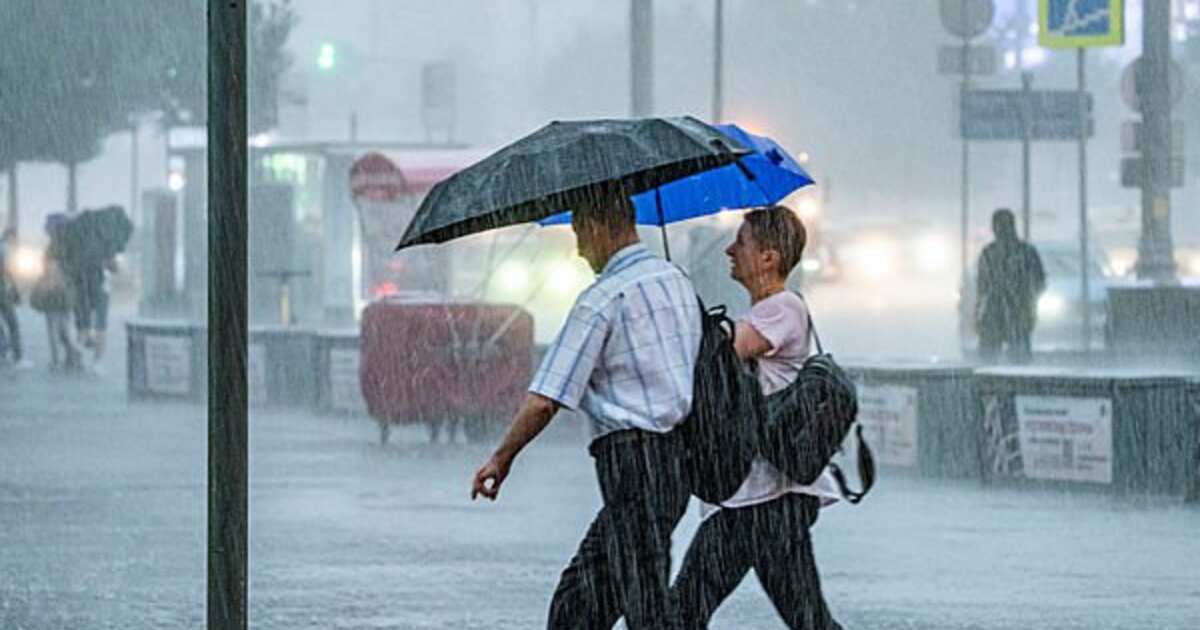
(1000, 114)
(888, 415)
(975, 60)
(1133, 172)
(1064, 438)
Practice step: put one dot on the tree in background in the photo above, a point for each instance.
(75, 72)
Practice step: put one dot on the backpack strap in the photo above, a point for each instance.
(866, 471)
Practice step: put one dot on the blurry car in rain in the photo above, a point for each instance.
(879, 253)
(1060, 307)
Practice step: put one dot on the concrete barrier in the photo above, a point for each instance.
(919, 416)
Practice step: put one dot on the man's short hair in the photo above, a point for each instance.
(609, 206)
(778, 228)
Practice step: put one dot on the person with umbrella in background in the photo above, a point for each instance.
(94, 239)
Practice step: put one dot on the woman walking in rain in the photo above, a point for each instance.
(764, 526)
(53, 296)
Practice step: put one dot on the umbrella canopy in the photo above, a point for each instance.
(94, 236)
(555, 167)
(762, 178)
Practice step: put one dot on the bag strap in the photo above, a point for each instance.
(812, 328)
(866, 471)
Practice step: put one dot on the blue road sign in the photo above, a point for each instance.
(1081, 23)
(1000, 114)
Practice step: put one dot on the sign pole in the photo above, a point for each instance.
(964, 218)
(1081, 58)
(1026, 133)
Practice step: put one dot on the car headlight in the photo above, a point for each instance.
(1051, 305)
(26, 264)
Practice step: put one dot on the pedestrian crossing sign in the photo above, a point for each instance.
(1081, 23)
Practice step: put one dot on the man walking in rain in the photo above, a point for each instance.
(625, 356)
(764, 525)
(1010, 280)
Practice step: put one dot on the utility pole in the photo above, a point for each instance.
(1084, 245)
(228, 460)
(1156, 260)
(641, 58)
(718, 59)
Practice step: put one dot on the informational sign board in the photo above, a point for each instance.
(345, 390)
(1065, 438)
(168, 364)
(1081, 23)
(999, 114)
(1133, 172)
(888, 415)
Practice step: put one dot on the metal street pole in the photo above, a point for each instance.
(964, 219)
(1156, 258)
(1081, 59)
(718, 59)
(133, 173)
(641, 57)
(14, 213)
(227, 326)
(1026, 133)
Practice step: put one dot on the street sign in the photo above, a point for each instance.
(1081, 23)
(1133, 172)
(1132, 140)
(1129, 88)
(999, 115)
(374, 177)
(967, 18)
(981, 60)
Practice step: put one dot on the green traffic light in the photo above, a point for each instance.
(326, 58)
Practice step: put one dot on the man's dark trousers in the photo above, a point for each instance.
(623, 565)
(773, 539)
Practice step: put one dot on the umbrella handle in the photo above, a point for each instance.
(662, 222)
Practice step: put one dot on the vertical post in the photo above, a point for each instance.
(718, 59)
(1026, 133)
(14, 212)
(227, 243)
(1156, 258)
(641, 57)
(964, 181)
(134, 165)
(1084, 288)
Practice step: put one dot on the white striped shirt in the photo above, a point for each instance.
(626, 353)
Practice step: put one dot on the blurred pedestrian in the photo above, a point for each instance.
(10, 297)
(1010, 281)
(53, 296)
(765, 525)
(625, 356)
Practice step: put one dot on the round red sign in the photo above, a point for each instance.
(375, 178)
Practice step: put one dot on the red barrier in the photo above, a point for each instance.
(431, 362)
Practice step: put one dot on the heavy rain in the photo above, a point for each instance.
(465, 314)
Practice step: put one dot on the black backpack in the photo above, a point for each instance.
(719, 431)
(805, 423)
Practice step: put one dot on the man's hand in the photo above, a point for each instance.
(495, 470)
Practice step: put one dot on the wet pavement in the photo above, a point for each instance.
(102, 516)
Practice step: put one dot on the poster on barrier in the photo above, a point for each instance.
(1065, 438)
(345, 392)
(888, 415)
(168, 364)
